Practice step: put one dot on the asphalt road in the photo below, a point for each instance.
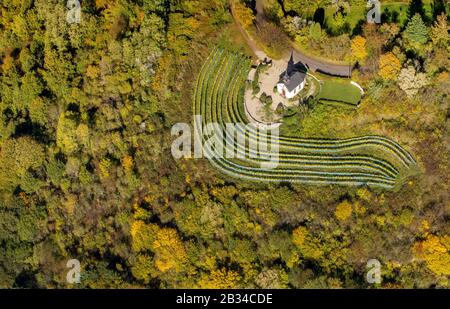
(322, 66)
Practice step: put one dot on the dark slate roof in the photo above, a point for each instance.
(291, 82)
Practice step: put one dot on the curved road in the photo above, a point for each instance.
(323, 67)
(312, 63)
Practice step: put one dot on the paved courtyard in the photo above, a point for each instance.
(268, 79)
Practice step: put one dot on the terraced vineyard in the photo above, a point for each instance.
(368, 160)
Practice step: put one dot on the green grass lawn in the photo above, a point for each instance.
(358, 12)
(339, 93)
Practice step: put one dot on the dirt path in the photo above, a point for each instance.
(260, 15)
(252, 44)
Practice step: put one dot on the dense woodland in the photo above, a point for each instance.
(86, 171)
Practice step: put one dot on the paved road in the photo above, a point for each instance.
(322, 66)
(313, 63)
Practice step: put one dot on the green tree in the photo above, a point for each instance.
(416, 31)
(143, 268)
(17, 157)
(315, 31)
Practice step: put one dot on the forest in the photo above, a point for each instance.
(86, 171)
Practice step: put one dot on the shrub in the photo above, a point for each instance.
(343, 211)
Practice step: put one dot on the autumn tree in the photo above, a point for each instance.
(17, 158)
(389, 66)
(434, 250)
(411, 81)
(439, 32)
(143, 268)
(86, 170)
(358, 45)
(244, 14)
(142, 235)
(66, 134)
(219, 279)
(169, 250)
(308, 245)
(390, 31)
(437, 61)
(343, 210)
(272, 278)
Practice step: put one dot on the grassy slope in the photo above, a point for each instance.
(231, 38)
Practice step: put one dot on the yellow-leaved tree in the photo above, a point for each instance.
(142, 235)
(343, 210)
(8, 63)
(66, 133)
(127, 163)
(166, 245)
(389, 66)
(169, 250)
(309, 246)
(435, 251)
(359, 50)
(219, 279)
(244, 14)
